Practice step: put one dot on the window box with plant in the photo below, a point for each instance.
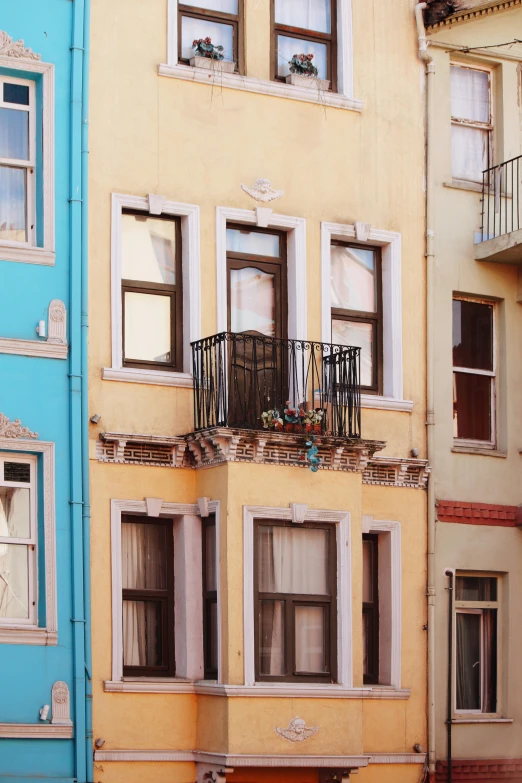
(209, 55)
(303, 73)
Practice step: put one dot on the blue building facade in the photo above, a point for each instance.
(45, 712)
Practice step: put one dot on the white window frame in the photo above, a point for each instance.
(490, 126)
(477, 607)
(343, 98)
(468, 443)
(29, 252)
(390, 244)
(341, 519)
(296, 265)
(190, 252)
(29, 632)
(188, 597)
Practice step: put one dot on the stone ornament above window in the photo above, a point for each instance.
(14, 429)
(297, 731)
(57, 326)
(263, 191)
(10, 48)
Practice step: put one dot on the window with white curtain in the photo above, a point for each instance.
(219, 20)
(295, 577)
(305, 27)
(18, 541)
(476, 639)
(471, 122)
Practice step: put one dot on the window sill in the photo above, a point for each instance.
(128, 375)
(28, 635)
(477, 450)
(385, 403)
(485, 719)
(152, 685)
(39, 348)
(27, 255)
(247, 83)
(35, 731)
(462, 184)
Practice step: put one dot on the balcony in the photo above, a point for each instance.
(501, 225)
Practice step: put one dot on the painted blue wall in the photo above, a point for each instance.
(49, 396)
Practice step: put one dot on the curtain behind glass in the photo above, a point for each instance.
(293, 560)
(468, 661)
(307, 14)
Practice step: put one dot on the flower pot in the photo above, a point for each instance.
(289, 426)
(298, 80)
(278, 426)
(222, 66)
(318, 428)
(308, 427)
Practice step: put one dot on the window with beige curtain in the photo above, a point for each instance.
(296, 602)
(471, 122)
(148, 596)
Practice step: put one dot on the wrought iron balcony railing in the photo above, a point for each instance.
(501, 204)
(240, 377)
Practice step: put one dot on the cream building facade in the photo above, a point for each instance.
(260, 606)
(474, 349)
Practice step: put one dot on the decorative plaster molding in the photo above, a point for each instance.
(28, 634)
(362, 231)
(260, 690)
(297, 730)
(60, 709)
(262, 191)
(298, 512)
(156, 203)
(41, 349)
(397, 472)
(35, 731)
(57, 323)
(237, 760)
(14, 429)
(458, 511)
(263, 215)
(10, 48)
(480, 770)
(138, 449)
(378, 402)
(182, 380)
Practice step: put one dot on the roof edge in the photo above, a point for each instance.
(446, 13)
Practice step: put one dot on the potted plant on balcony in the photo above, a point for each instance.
(303, 73)
(294, 418)
(272, 420)
(209, 55)
(313, 421)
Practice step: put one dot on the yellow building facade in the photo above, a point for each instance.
(258, 582)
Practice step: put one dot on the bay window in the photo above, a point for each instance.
(305, 28)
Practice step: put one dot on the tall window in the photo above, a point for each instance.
(295, 578)
(18, 541)
(148, 596)
(356, 285)
(152, 297)
(370, 609)
(471, 122)
(473, 372)
(476, 608)
(305, 28)
(210, 614)
(17, 161)
(219, 20)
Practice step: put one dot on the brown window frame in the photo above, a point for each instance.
(236, 21)
(371, 608)
(166, 597)
(209, 599)
(301, 33)
(362, 316)
(175, 292)
(292, 600)
(274, 265)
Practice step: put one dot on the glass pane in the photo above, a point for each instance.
(271, 638)
(15, 512)
(366, 643)
(16, 93)
(213, 641)
(148, 249)
(17, 471)
(368, 574)
(476, 588)
(142, 633)
(307, 14)
(194, 29)
(287, 47)
(468, 661)
(469, 152)
(12, 204)
(252, 301)
(143, 555)
(309, 639)
(469, 94)
(14, 581)
(225, 6)
(359, 335)
(353, 279)
(293, 560)
(472, 406)
(14, 134)
(472, 335)
(210, 557)
(147, 327)
(253, 242)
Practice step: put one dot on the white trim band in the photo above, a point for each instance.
(40, 349)
(35, 731)
(245, 760)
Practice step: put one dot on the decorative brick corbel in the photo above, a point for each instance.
(119, 450)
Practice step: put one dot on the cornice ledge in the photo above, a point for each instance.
(468, 14)
(35, 730)
(397, 472)
(36, 348)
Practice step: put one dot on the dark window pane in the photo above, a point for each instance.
(210, 558)
(366, 635)
(142, 633)
(16, 93)
(476, 588)
(17, 471)
(272, 638)
(213, 640)
(489, 685)
(468, 661)
(472, 335)
(472, 406)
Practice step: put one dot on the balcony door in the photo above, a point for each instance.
(257, 318)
